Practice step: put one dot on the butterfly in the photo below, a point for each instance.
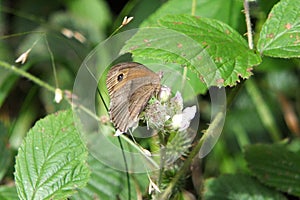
(130, 86)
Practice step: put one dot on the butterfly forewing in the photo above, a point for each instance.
(130, 86)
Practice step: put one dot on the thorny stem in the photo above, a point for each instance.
(211, 129)
(235, 91)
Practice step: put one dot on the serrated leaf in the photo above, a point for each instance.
(209, 47)
(280, 34)
(275, 166)
(8, 193)
(227, 11)
(238, 187)
(51, 162)
(228, 50)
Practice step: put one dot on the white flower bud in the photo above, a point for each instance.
(58, 95)
(23, 57)
(126, 20)
(164, 94)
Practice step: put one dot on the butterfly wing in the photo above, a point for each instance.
(130, 86)
(140, 98)
(119, 108)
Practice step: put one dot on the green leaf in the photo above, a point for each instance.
(209, 47)
(228, 50)
(227, 11)
(8, 193)
(279, 36)
(194, 84)
(51, 162)
(275, 166)
(237, 187)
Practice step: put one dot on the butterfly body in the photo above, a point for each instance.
(130, 86)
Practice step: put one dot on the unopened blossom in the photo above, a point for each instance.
(164, 94)
(23, 57)
(58, 95)
(126, 20)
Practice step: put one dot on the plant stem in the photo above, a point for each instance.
(263, 110)
(248, 24)
(194, 3)
(52, 62)
(211, 129)
(233, 93)
(27, 75)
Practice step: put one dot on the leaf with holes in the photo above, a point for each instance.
(51, 162)
(280, 35)
(210, 48)
(275, 166)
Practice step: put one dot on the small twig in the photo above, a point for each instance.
(41, 83)
(27, 75)
(125, 21)
(52, 62)
(248, 24)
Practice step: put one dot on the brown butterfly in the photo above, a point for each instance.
(130, 86)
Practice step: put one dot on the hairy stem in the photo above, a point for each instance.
(211, 129)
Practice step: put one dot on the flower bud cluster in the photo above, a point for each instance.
(171, 120)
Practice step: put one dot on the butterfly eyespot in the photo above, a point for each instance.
(120, 77)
